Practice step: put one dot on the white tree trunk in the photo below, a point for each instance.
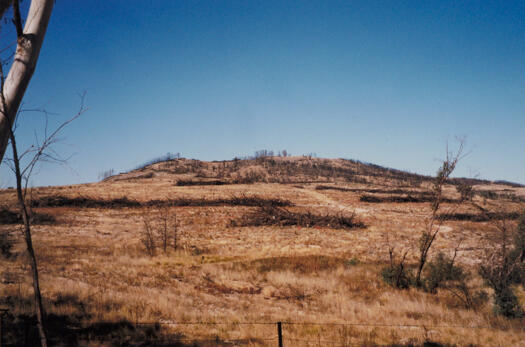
(24, 63)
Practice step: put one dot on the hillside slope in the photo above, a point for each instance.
(293, 239)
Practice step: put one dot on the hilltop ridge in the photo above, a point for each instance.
(277, 169)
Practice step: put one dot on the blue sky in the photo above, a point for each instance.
(385, 82)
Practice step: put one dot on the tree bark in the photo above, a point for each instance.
(24, 64)
(39, 308)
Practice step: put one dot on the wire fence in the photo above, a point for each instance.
(207, 333)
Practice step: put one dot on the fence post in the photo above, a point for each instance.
(280, 334)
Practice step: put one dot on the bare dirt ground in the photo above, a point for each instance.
(94, 266)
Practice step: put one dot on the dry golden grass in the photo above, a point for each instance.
(93, 267)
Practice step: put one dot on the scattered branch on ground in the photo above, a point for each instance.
(87, 202)
(273, 215)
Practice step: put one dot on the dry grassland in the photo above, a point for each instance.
(94, 268)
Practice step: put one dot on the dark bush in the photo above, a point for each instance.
(85, 202)
(59, 201)
(397, 276)
(42, 218)
(440, 271)
(201, 183)
(506, 303)
(479, 217)
(274, 215)
(9, 217)
(465, 190)
(6, 243)
(413, 197)
(487, 194)
(504, 266)
(370, 198)
(375, 190)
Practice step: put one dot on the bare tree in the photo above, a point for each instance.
(428, 236)
(39, 151)
(148, 236)
(29, 42)
(29, 244)
(161, 225)
(164, 227)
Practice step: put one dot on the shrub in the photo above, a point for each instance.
(124, 202)
(498, 275)
(6, 243)
(504, 266)
(506, 303)
(487, 194)
(397, 276)
(352, 262)
(9, 217)
(466, 191)
(440, 271)
(267, 215)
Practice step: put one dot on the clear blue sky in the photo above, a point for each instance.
(385, 82)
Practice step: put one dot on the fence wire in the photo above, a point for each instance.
(329, 333)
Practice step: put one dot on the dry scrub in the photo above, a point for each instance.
(271, 215)
(289, 263)
(84, 202)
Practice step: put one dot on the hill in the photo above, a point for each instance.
(277, 169)
(214, 253)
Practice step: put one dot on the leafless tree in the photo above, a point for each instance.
(159, 226)
(41, 150)
(28, 44)
(148, 236)
(164, 228)
(428, 236)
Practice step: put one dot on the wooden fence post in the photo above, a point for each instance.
(280, 334)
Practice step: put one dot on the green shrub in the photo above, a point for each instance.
(443, 273)
(352, 262)
(505, 267)
(440, 271)
(506, 303)
(397, 276)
